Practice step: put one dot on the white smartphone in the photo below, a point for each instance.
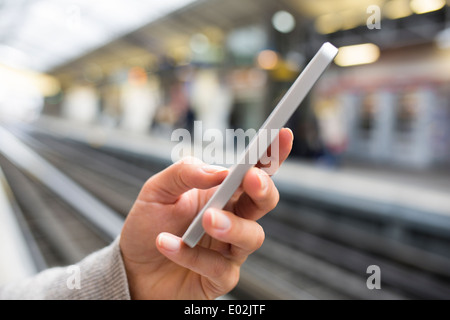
(259, 144)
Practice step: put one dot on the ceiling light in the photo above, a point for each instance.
(283, 21)
(357, 54)
(425, 6)
(267, 59)
(199, 43)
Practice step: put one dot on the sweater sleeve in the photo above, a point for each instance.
(99, 276)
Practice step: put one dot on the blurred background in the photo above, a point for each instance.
(91, 91)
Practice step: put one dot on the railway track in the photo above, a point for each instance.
(61, 235)
(311, 252)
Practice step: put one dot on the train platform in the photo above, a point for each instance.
(365, 185)
(85, 99)
(16, 261)
(399, 200)
(314, 248)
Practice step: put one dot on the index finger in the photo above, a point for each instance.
(284, 140)
(277, 152)
(255, 202)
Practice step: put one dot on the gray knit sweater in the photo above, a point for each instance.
(100, 276)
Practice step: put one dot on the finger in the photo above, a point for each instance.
(260, 195)
(285, 140)
(188, 173)
(205, 262)
(245, 236)
(277, 152)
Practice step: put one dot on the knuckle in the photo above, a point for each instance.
(272, 200)
(189, 160)
(276, 198)
(193, 259)
(181, 181)
(220, 268)
(234, 279)
(259, 238)
(226, 283)
(148, 186)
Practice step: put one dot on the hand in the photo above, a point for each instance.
(159, 265)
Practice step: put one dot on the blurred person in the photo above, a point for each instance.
(332, 131)
(110, 102)
(140, 98)
(149, 260)
(211, 100)
(81, 104)
(179, 104)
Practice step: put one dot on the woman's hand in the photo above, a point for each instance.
(159, 265)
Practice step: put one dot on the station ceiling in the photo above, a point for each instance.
(214, 18)
(42, 34)
(45, 35)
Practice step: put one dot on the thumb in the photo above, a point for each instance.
(188, 173)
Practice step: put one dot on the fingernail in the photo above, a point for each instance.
(169, 242)
(263, 181)
(219, 220)
(213, 169)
